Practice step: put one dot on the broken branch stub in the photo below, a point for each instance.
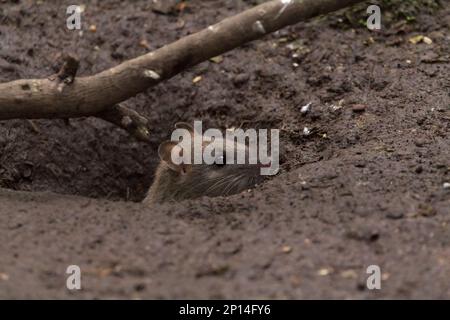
(128, 120)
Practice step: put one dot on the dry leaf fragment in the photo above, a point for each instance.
(197, 79)
(217, 59)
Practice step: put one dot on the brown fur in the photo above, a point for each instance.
(178, 182)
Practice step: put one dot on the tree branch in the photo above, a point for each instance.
(94, 95)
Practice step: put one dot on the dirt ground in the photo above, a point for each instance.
(366, 187)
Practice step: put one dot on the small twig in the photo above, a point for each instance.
(66, 75)
(128, 120)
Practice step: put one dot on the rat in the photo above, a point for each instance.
(176, 182)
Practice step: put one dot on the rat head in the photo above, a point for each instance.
(200, 165)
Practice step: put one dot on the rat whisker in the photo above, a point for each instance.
(221, 182)
(232, 184)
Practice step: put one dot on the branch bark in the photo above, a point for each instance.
(99, 94)
(128, 120)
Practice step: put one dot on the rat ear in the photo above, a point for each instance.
(165, 154)
(185, 125)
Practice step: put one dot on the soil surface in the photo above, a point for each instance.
(367, 186)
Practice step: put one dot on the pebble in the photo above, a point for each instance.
(394, 215)
(306, 131)
(163, 6)
(286, 249)
(305, 109)
(385, 276)
(359, 108)
(427, 40)
(241, 78)
(420, 142)
(347, 274)
(446, 185)
(324, 271)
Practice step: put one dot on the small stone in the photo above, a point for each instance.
(93, 28)
(427, 40)
(349, 274)
(163, 6)
(241, 79)
(420, 142)
(324, 271)
(305, 109)
(446, 185)
(394, 215)
(437, 35)
(4, 276)
(306, 131)
(286, 249)
(358, 108)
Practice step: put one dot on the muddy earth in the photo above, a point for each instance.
(367, 186)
